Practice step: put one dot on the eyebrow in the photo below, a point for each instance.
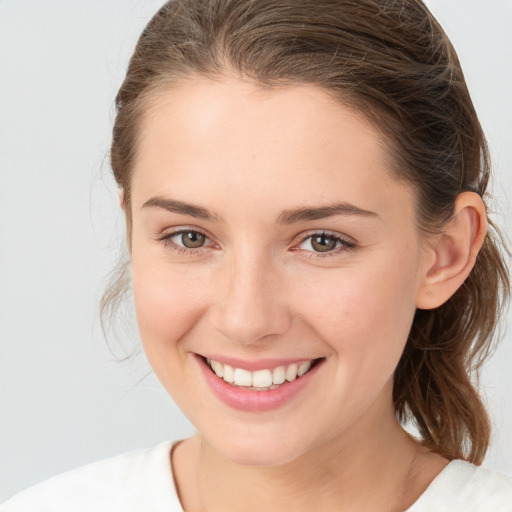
(174, 206)
(286, 216)
(322, 212)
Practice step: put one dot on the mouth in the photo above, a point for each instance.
(267, 379)
(268, 386)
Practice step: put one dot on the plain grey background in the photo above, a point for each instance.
(64, 400)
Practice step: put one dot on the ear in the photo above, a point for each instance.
(452, 254)
(121, 198)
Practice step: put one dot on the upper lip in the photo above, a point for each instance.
(256, 364)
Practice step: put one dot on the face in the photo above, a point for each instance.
(269, 238)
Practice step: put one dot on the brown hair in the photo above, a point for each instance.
(391, 61)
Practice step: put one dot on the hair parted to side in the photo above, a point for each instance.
(391, 61)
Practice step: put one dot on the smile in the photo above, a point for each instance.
(260, 380)
(267, 386)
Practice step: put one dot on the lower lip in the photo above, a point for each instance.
(250, 400)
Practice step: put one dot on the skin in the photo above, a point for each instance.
(258, 289)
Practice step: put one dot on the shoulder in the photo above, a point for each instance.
(134, 481)
(462, 486)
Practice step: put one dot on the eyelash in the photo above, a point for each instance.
(346, 245)
(166, 240)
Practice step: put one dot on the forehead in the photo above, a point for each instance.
(209, 112)
(229, 138)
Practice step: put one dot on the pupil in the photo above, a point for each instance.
(192, 239)
(323, 243)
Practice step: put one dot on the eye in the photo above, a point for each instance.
(325, 243)
(190, 239)
(186, 241)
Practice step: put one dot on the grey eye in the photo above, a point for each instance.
(192, 239)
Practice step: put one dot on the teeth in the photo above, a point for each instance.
(291, 372)
(218, 368)
(260, 380)
(243, 377)
(229, 374)
(279, 375)
(303, 368)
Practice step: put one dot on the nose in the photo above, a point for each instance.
(250, 305)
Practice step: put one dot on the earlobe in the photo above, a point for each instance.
(454, 251)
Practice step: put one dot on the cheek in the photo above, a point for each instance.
(364, 313)
(168, 302)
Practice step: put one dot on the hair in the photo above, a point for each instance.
(390, 61)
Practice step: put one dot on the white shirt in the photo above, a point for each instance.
(142, 481)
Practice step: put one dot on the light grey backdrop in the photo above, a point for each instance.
(64, 401)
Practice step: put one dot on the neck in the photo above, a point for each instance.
(371, 467)
(332, 478)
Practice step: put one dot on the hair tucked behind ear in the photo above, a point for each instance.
(446, 347)
(391, 61)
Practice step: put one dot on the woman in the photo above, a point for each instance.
(311, 259)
